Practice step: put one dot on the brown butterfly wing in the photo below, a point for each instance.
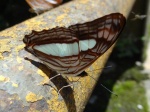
(40, 6)
(104, 31)
(55, 35)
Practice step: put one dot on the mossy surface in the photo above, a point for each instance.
(131, 98)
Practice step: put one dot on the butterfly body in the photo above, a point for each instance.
(71, 50)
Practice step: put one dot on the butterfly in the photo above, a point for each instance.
(40, 6)
(71, 50)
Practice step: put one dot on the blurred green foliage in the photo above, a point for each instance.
(131, 98)
(134, 74)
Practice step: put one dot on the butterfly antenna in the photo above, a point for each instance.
(104, 87)
(101, 68)
(107, 67)
(109, 90)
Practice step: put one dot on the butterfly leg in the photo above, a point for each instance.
(47, 83)
(69, 85)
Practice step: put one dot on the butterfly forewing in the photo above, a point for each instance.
(71, 50)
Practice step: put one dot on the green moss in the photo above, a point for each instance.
(130, 95)
(146, 40)
(144, 54)
(134, 74)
